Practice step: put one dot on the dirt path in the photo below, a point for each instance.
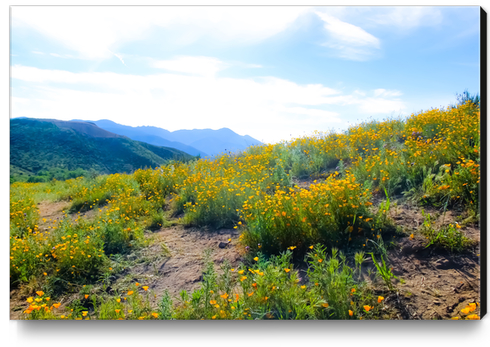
(175, 258)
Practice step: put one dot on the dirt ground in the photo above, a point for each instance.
(436, 284)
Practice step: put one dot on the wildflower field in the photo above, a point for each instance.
(326, 226)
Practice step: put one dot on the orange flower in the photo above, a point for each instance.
(117, 311)
(325, 305)
(145, 288)
(57, 305)
(287, 270)
(155, 315)
(367, 308)
(86, 296)
(380, 298)
(353, 290)
(320, 260)
(130, 292)
(351, 313)
(137, 284)
(212, 302)
(473, 317)
(40, 293)
(224, 296)
(466, 310)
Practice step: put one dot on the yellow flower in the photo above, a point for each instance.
(303, 287)
(466, 310)
(145, 288)
(380, 298)
(311, 247)
(256, 258)
(30, 299)
(118, 300)
(473, 317)
(240, 272)
(455, 318)
(84, 313)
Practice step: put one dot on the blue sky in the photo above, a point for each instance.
(271, 72)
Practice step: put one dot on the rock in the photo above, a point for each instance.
(222, 244)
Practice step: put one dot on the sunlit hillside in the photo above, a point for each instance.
(326, 226)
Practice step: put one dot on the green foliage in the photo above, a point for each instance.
(448, 237)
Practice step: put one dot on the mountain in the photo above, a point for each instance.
(41, 144)
(215, 141)
(201, 142)
(152, 135)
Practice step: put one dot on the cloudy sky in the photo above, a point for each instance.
(272, 72)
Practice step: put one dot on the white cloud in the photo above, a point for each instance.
(349, 41)
(266, 108)
(203, 66)
(381, 106)
(118, 56)
(94, 32)
(386, 93)
(407, 17)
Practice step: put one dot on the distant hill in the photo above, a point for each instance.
(41, 144)
(215, 141)
(152, 135)
(197, 141)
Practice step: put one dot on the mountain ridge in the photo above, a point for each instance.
(203, 142)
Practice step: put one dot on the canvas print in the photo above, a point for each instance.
(245, 162)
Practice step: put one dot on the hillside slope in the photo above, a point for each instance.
(41, 144)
